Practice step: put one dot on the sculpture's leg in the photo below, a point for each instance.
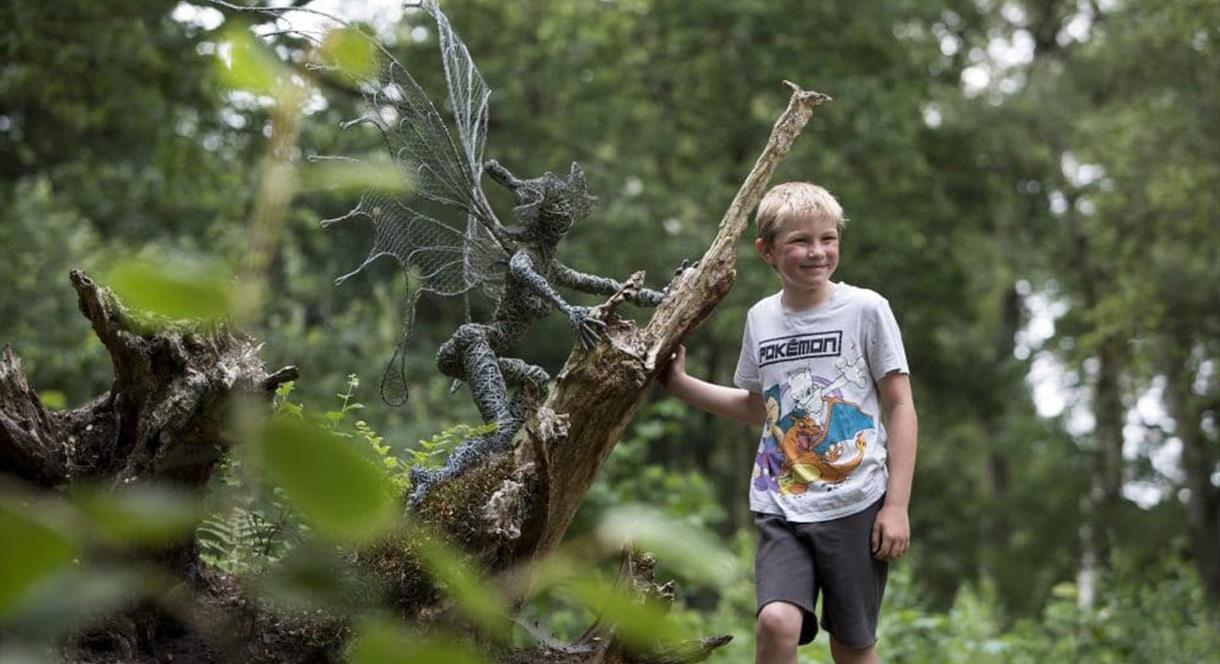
(531, 382)
(468, 356)
(520, 372)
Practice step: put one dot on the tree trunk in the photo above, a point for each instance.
(1109, 412)
(163, 419)
(1198, 461)
(174, 391)
(995, 526)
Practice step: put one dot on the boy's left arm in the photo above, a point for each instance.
(892, 528)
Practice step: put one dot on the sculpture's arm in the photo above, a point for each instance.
(502, 175)
(595, 285)
(588, 329)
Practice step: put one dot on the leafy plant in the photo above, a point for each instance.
(251, 523)
(432, 451)
(247, 529)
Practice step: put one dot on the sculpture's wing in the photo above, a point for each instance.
(468, 92)
(445, 258)
(468, 97)
(441, 256)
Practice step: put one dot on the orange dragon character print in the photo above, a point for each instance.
(821, 440)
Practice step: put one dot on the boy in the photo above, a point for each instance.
(820, 361)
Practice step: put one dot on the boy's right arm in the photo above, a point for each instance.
(731, 403)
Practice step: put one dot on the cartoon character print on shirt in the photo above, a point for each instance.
(822, 439)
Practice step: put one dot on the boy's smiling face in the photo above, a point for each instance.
(805, 253)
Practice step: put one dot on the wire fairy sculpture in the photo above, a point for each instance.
(516, 266)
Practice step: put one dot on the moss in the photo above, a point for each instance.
(455, 507)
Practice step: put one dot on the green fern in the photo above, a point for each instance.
(433, 451)
(251, 526)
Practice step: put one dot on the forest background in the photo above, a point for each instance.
(1034, 185)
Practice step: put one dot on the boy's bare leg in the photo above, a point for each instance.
(844, 655)
(779, 630)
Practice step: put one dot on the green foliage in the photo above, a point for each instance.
(195, 292)
(252, 538)
(337, 488)
(1165, 618)
(375, 172)
(459, 579)
(352, 51)
(628, 477)
(642, 624)
(58, 565)
(30, 551)
(346, 405)
(40, 240)
(702, 559)
(316, 578)
(385, 642)
(432, 452)
(245, 63)
(247, 528)
(253, 522)
(140, 515)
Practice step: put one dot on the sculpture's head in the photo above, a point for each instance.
(549, 205)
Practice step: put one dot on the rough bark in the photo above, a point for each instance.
(164, 419)
(24, 426)
(166, 416)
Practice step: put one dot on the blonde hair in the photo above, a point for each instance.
(794, 200)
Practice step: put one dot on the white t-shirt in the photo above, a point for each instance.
(822, 453)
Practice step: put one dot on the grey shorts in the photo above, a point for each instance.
(797, 561)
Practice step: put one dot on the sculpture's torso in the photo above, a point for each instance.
(521, 304)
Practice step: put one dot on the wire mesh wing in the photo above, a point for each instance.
(468, 92)
(444, 258)
(468, 97)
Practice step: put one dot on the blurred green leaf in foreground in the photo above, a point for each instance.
(141, 514)
(344, 493)
(351, 51)
(245, 63)
(384, 642)
(31, 551)
(191, 291)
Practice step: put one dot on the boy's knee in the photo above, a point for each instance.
(780, 621)
(845, 654)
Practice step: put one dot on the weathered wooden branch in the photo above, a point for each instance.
(25, 425)
(164, 418)
(611, 381)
